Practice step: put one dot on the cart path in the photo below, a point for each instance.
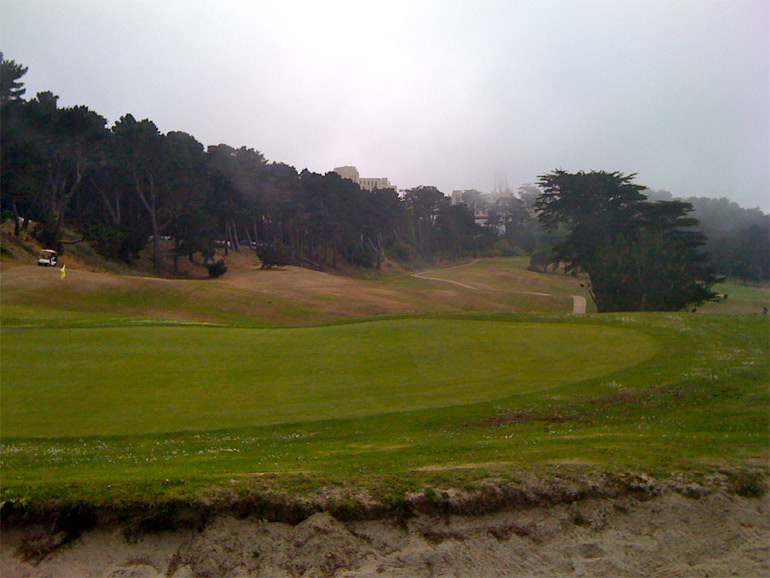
(578, 302)
(424, 275)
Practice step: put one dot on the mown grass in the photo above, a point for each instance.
(108, 381)
(739, 298)
(693, 397)
(113, 390)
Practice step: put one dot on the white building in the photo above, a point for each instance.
(366, 183)
(372, 184)
(350, 173)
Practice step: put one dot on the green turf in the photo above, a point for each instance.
(697, 401)
(103, 403)
(739, 299)
(134, 380)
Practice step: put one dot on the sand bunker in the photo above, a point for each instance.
(719, 534)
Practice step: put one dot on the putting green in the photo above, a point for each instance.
(138, 380)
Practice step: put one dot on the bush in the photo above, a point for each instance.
(401, 252)
(106, 240)
(503, 247)
(272, 256)
(540, 260)
(217, 269)
(46, 234)
(360, 257)
(116, 244)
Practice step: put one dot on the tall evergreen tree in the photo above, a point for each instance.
(638, 255)
(141, 152)
(11, 87)
(423, 204)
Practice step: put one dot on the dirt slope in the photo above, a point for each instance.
(669, 535)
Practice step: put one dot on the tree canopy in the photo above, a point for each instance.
(11, 87)
(124, 186)
(638, 255)
(128, 185)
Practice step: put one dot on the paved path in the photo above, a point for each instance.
(578, 302)
(424, 275)
(578, 305)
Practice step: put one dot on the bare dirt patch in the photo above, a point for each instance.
(710, 534)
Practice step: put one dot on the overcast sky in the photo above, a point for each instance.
(447, 93)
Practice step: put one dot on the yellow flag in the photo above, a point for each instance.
(63, 271)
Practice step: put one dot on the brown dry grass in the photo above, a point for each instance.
(246, 294)
(98, 290)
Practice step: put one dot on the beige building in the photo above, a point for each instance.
(347, 173)
(366, 183)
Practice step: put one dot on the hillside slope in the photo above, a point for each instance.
(96, 291)
(455, 497)
(99, 291)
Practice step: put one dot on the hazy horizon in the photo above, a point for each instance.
(456, 95)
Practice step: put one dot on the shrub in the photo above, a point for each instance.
(217, 268)
(115, 244)
(401, 252)
(540, 260)
(503, 247)
(105, 240)
(359, 256)
(272, 256)
(46, 234)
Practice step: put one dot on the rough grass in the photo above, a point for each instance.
(697, 404)
(276, 298)
(740, 299)
(242, 409)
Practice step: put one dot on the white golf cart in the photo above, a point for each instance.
(47, 258)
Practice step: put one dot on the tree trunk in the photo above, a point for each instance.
(113, 212)
(62, 199)
(232, 233)
(176, 257)
(155, 238)
(151, 207)
(248, 236)
(16, 219)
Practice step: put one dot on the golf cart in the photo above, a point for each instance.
(47, 258)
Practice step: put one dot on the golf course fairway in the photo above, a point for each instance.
(97, 381)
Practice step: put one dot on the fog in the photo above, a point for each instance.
(445, 93)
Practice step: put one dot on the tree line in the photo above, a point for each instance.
(737, 239)
(128, 185)
(124, 185)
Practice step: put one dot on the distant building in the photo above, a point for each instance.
(489, 209)
(366, 183)
(348, 173)
(372, 184)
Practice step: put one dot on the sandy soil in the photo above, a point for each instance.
(719, 534)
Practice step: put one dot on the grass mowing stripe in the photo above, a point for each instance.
(109, 381)
(698, 404)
